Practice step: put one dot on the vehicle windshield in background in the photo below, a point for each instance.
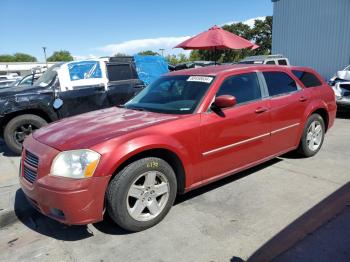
(172, 94)
(48, 77)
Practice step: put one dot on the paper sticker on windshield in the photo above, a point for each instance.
(204, 79)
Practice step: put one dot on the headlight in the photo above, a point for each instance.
(75, 163)
(337, 91)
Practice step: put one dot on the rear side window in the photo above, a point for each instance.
(244, 87)
(271, 62)
(84, 70)
(279, 83)
(119, 72)
(308, 79)
(282, 62)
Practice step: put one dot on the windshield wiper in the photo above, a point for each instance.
(135, 108)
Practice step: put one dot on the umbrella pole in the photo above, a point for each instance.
(214, 55)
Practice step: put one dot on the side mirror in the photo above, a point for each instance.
(57, 103)
(225, 101)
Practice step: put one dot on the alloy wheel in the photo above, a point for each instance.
(314, 135)
(147, 196)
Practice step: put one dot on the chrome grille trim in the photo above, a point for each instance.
(30, 166)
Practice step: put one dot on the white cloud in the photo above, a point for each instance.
(82, 57)
(134, 46)
(249, 22)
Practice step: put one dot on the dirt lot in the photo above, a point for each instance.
(253, 215)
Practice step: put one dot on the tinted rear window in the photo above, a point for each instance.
(308, 79)
(119, 72)
(279, 83)
(282, 62)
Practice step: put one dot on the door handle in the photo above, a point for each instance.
(139, 86)
(260, 110)
(302, 99)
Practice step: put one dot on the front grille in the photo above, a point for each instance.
(31, 159)
(345, 86)
(30, 166)
(29, 174)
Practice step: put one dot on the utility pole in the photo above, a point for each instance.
(162, 51)
(44, 48)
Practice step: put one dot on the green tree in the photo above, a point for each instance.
(262, 34)
(148, 52)
(59, 56)
(121, 54)
(177, 59)
(17, 57)
(22, 57)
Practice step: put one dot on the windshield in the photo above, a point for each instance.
(172, 94)
(48, 77)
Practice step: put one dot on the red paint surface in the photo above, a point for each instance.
(118, 134)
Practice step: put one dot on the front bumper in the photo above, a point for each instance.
(343, 102)
(70, 201)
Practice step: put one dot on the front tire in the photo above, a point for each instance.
(18, 128)
(313, 136)
(141, 195)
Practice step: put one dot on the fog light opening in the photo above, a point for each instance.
(57, 213)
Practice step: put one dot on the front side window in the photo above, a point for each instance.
(26, 80)
(172, 94)
(308, 79)
(271, 62)
(244, 87)
(279, 83)
(49, 76)
(84, 70)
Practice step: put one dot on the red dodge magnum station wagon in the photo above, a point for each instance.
(187, 129)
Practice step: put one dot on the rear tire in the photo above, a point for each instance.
(18, 128)
(141, 195)
(312, 137)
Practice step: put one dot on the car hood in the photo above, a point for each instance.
(86, 130)
(18, 90)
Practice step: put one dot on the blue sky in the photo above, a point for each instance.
(95, 28)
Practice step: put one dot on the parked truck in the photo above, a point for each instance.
(72, 88)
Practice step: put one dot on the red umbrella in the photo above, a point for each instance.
(216, 38)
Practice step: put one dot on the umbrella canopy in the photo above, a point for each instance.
(216, 38)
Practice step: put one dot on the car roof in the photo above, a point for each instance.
(217, 70)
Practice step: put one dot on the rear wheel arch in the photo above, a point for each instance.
(324, 114)
(168, 156)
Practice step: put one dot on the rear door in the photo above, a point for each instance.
(240, 135)
(123, 83)
(288, 102)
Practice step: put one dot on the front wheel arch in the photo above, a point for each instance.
(168, 156)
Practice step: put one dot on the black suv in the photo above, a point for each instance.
(24, 109)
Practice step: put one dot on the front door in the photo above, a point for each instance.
(239, 135)
(82, 99)
(82, 87)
